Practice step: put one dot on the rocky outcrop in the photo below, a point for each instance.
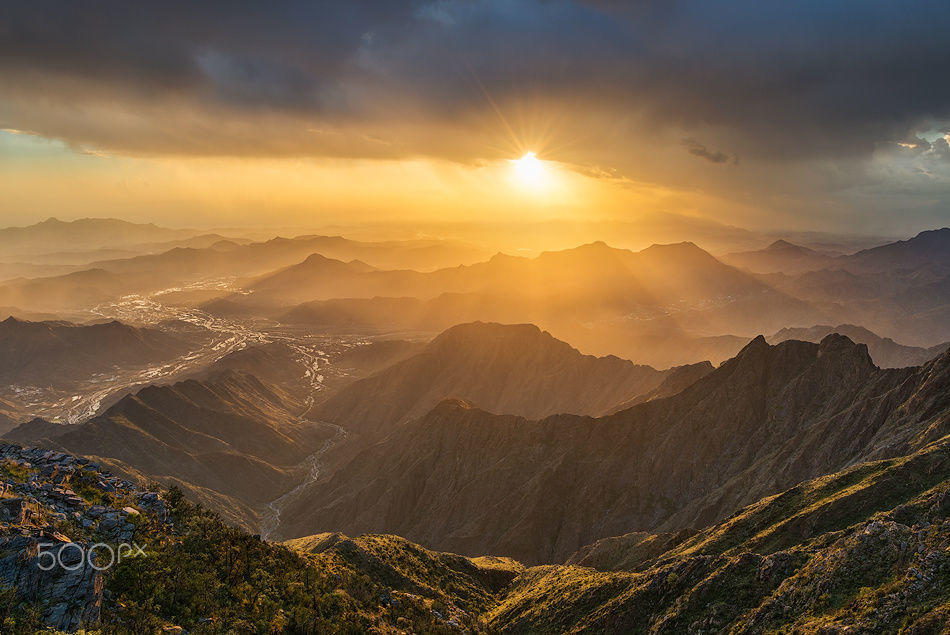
(57, 545)
(885, 352)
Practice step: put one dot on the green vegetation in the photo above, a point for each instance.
(86, 484)
(15, 471)
(866, 549)
(16, 617)
(210, 578)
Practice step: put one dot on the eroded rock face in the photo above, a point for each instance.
(71, 594)
(61, 521)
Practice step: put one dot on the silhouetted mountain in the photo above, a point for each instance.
(420, 255)
(511, 369)
(601, 275)
(780, 256)
(210, 258)
(928, 249)
(664, 305)
(54, 235)
(50, 353)
(885, 352)
(900, 290)
(81, 258)
(539, 490)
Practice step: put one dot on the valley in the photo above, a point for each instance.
(475, 317)
(493, 438)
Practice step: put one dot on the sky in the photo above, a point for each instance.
(807, 115)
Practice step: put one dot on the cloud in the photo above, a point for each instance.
(833, 78)
(715, 156)
(596, 82)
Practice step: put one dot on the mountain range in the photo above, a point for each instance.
(885, 352)
(780, 256)
(538, 490)
(54, 235)
(52, 353)
(100, 281)
(509, 369)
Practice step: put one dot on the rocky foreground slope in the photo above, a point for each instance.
(198, 435)
(53, 508)
(865, 550)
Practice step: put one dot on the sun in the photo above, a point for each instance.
(530, 171)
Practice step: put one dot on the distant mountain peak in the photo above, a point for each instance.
(842, 345)
(502, 257)
(942, 232)
(783, 245)
(681, 250)
(756, 345)
(477, 334)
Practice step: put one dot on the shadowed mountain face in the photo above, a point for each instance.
(47, 353)
(928, 250)
(232, 440)
(899, 290)
(275, 364)
(514, 369)
(465, 480)
(863, 549)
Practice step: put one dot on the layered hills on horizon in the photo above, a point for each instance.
(86, 234)
(665, 305)
(102, 280)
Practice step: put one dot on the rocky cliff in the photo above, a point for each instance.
(53, 509)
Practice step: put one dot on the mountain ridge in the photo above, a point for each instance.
(767, 419)
(505, 368)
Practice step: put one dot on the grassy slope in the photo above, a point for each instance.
(865, 547)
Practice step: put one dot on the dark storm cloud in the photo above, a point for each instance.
(772, 79)
(697, 149)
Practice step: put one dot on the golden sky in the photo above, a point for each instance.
(334, 114)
